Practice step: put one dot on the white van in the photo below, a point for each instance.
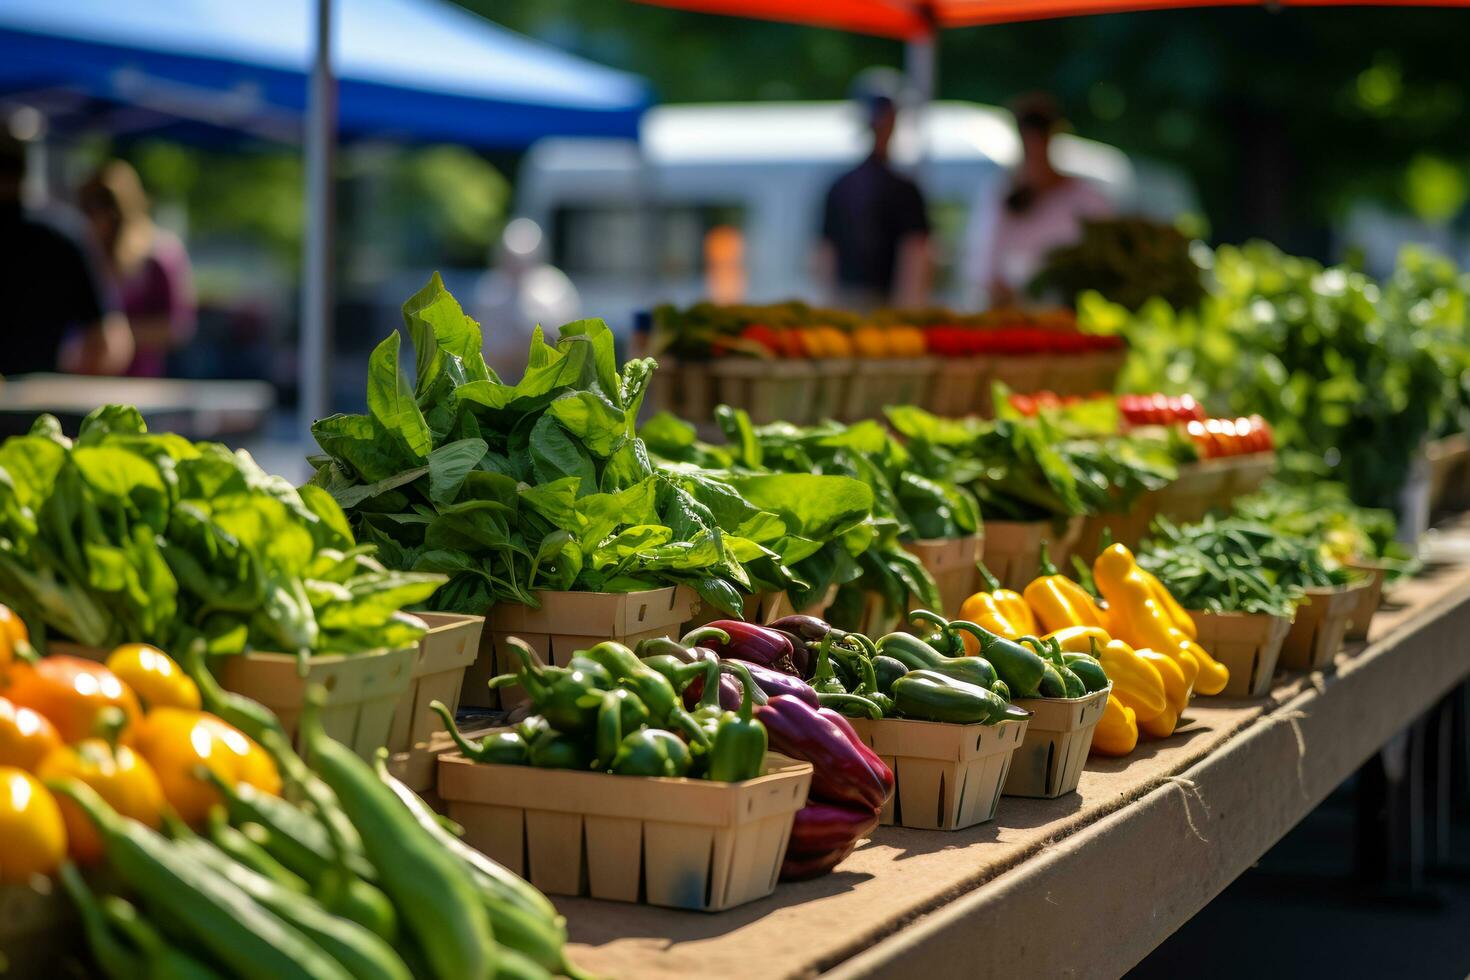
(631, 224)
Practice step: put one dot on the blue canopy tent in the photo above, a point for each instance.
(282, 69)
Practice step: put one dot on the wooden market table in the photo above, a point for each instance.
(1089, 884)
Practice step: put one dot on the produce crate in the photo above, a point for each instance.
(770, 390)
(683, 388)
(1374, 573)
(681, 843)
(1013, 548)
(363, 690)
(952, 563)
(1022, 373)
(831, 379)
(1201, 485)
(1049, 761)
(958, 387)
(418, 767)
(1449, 472)
(1069, 374)
(1248, 644)
(565, 623)
(444, 654)
(949, 776)
(879, 382)
(1248, 473)
(764, 607)
(1128, 527)
(36, 926)
(1104, 366)
(1321, 623)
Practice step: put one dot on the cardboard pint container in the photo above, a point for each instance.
(1320, 626)
(1127, 528)
(948, 777)
(565, 623)
(1049, 761)
(418, 767)
(1013, 548)
(1249, 472)
(684, 388)
(770, 390)
(37, 928)
(681, 843)
(763, 607)
(1374, 574)
(957, 386)
(1022, 373)
(952, 563)
(1248, 644)
(443, 655)
(1201, 485)
(363, 690)
(879, 382)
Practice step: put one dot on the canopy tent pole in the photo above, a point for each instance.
(919, 63)
(316, 285)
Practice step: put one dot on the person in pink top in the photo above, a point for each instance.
(148, 266)
(1042, 209)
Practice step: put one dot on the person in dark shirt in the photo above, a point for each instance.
(55, 313)
(875, 232)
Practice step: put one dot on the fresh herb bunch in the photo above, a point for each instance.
(1236, 565)
(1324, 512)
(125, 535)
(1128, 260)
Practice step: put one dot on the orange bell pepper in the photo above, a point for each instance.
(32, 833)
(26, 737)
(118, 774)
(176, 742)
(154, 677)
(72, 693)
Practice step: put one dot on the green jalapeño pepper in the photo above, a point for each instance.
(852, 705)
(652, 688)
(559, 693)
(738, 751)
(676, 671)
(824, 679)
(943, 639)
(867, 679)
(551, 749)
(1018, 666)
(1094, 678)
(620, 711)
(651, 752)
(504, 748)
(915, 654)
(887, 670)
(928, 696)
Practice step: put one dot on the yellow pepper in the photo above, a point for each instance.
(176, 742)
(32, 833)
(154, 677)
(1176, 692)
(1136, 616)
(1003, 612)
(1117, 730)
(1136, 681)
(1080, 639)
(118, 774)
(1182, 620)
(1059, 602)
(26, 736)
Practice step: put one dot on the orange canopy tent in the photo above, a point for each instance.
(917, 19)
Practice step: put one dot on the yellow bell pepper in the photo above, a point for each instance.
(72, 693)
(1059, 602)
(1136, 681)
(1136, 616)
(1080, 639)
(154, 677)
(871, 341)
(1003, 612)
(176, 742)
(118, 774)
(32, 833)
(1117, 730)
(1182, 620)
(1176, 693)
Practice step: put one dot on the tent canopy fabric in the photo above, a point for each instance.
(411, 69)
(915, 19)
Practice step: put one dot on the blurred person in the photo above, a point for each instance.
(148, 266)
(57, 312)
(1041, 210)
(520, 291)
(875, 229)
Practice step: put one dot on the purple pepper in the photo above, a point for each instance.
(753, 644)
(771, 683)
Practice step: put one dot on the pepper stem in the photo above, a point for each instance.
(109, 725)
(471, 750)
(992, 584)
(710, 697)
(699, 634)
(747, 690)
(1047, 566)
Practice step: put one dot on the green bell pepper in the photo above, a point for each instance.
(738, 751)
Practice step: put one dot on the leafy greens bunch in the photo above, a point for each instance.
(538, 485)
(1323, 512)
(126, 535)
(1236, 565)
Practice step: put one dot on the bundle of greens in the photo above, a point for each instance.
(1236, 565)
(124, 535)
(1128, 260)
(544, 484)
(1323, 512)
(843, 489)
